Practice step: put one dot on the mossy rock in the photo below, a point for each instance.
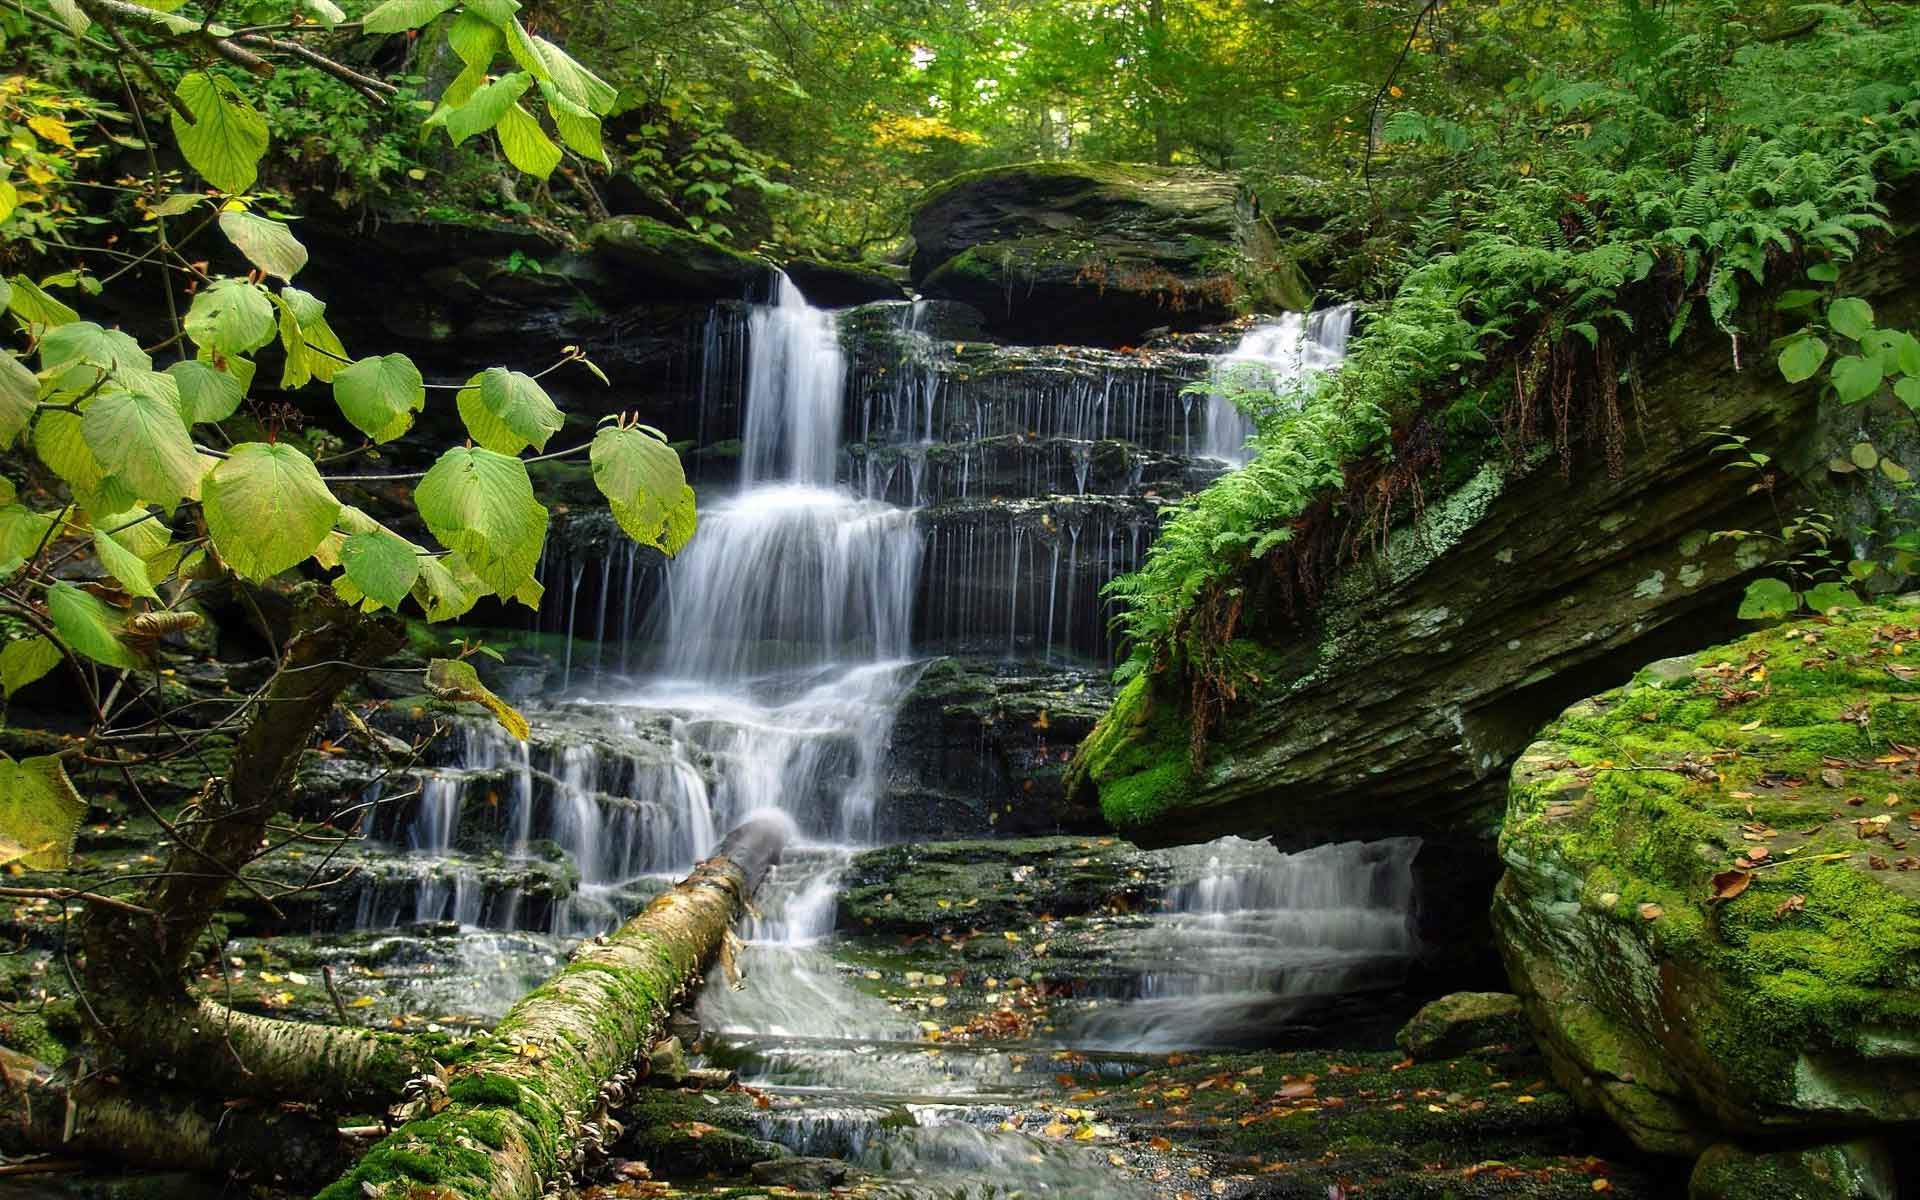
(1712, 901)
(997, 884)
(1462, 1022)
(1099, 252)
(686, 264)
(1859, 1170)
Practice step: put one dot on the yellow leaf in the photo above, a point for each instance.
(51, 129)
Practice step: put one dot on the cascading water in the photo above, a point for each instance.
(1274, 359)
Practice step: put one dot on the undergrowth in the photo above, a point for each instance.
(1584, 223)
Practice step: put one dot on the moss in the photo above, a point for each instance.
(1136, 757)
(1761, 751)
(485, 1089)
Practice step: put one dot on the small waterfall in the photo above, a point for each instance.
(1274, 360)
(796, 373)
(1251, 938)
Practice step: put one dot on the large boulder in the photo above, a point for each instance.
(1711, 909)
(675, 265)
(1099, 253)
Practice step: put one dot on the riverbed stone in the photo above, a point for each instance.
(1463, 1021)
(1099, 252)
(1856, 1170)
(1711, 909)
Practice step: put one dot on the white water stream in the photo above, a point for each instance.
(1272, 361)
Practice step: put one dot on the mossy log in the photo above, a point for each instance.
(97, 1118)
(512, 1116)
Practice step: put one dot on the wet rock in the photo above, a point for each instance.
(693, 1134)
(992, 884)
(1098, 253)
(1858, 1170)
(1711, 909)
(804, 1174)
(1462, 1022)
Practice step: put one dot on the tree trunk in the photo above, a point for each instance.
(96, 1119)
(511, 1116)
(134, 981)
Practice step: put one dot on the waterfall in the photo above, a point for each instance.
(1251, 938)
(1274, 359)
(796, 372)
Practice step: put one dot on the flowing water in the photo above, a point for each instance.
(1272, 361)
(771, 668)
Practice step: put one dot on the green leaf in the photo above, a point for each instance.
(40, 812)
(1908, 390)
(645, 487)
(1850, 317)
(232, 316)
(83, 342)
(549, 63)
(227, 136)
(1797, 298)
(313, 348)
(71, 15)
(398, 16)
(450, 679)
(1802, 358)
(1855, 378)
(496, 12)
(1864, 456)
(476, 40)
(25, 660)
(178, 204)
(1823, 273)
(481, 504)
(578, 127)
(206, 392)
(268, 244)
(1825, 597)
(19, 396)
(487, 105)
(62, 446)
(267, 508)
(1894, 471)
(141, 438)
(508, 411)
(526, 145)
(34, 306)
(128, 568)
(381, 565)
(380, 395)
(327, 11)
(87, 625)
(447, 587)
(1768, 599)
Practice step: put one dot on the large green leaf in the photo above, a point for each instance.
(128, 568)
(313, 349)
(86, 342)
(19, 396)
(548, 62)
(40, 812)
(1801, 357)
(208, 393)
(1855, 377)
(382, 566)
(141, 438)
(508, 411)
(227, 136)
(267, 508)
(398, 16)
(37, 308)
(268, 244)
(1850, 317)
(497, 12)
(645, 487)
(25, 660)
(475, 39)
(579, 127)
(232, 316)
(483, 110)
(87, 625)
(481, 504)
(62, 445)
(1768, 599)
(526, 145)
(447, 587)
(380, 395)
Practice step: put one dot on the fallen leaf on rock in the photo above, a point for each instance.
(1726, 885)
(1792, 904)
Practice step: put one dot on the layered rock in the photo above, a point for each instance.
(1098, 253)
(1712, 901)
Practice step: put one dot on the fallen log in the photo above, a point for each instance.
(510, 1119)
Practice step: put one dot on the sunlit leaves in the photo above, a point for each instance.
(267, 508)
(313, 350)
(476, 40)
(1856, 377)
(1850, 317)
(140, 437)
(232, 316)
(128, 569)
(87, 626)
(526, 145)
(645, 487)
(381, 566)
(380, 395)
(398, 16)
(484, 109)
(35, 307)
(19, 396)
(481, 504)
(227, 136)
(40, 812)
(268, 244)
(1801, 358)
(26, 660)
(508, 411)
(1768, 599)
(208, 393)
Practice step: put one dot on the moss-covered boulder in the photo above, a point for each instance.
(1711, 907)
(1464, 1021)
(677, 264)
(1098, 252)
(842, 284)
(1858, 1170)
